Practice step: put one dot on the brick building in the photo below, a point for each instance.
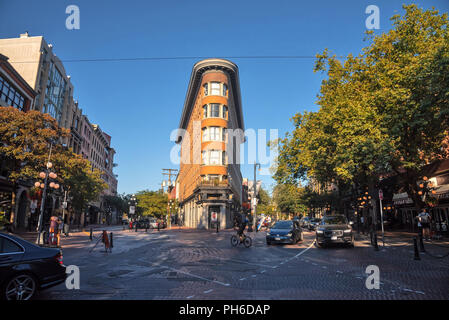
(209, 183)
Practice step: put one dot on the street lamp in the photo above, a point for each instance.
(46, 175)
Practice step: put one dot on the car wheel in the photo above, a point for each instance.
(20, 287)
(268, 243)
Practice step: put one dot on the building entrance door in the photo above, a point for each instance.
(214, 216)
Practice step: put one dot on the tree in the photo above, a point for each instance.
(264, 204)
(25, 144)
(288, 198)
(83, 184)
(385, 110)
(152, 203)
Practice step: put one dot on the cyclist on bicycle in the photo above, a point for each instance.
(242, 226)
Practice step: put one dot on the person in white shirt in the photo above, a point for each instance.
(424, 219)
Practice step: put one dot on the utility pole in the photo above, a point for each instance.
(255, 196)
(168, 172)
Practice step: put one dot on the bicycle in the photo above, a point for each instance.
(236, 240)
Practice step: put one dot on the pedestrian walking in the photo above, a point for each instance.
(424, 219)
(53, 230)
(60, 230)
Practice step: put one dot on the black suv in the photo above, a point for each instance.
(334, 229)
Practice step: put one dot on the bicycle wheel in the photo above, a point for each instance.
(247, 242)
(234, 241)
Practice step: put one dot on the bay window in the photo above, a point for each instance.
(213, 157)
(215, 110)
(215, 89)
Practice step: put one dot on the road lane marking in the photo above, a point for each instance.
(338, 271)
(241, 279)
(189, 297)
(207, 291)
(254, 276)
(262, 271)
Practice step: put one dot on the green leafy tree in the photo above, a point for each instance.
(385, 110)
(24, 148)
(152, 203)
(288, 198)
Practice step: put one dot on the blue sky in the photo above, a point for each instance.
(140, 102)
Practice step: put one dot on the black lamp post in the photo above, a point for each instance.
(46, 174)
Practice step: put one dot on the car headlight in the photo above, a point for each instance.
(319, 231)
(289, 234)
(348, 231)
(268, 234)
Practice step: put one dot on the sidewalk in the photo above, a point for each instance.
(434, 248)
(31, 236)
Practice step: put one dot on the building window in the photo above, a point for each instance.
(214, 110)
(10, 95)
(215, 89)
(213, 157)
(213, 134)
(225, 112)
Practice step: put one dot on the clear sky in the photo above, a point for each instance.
(139, 103)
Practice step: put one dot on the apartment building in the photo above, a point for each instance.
(14, 92)
(209, 183)
(33, 59)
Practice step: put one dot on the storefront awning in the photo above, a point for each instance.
(442, 192)
(401, 198)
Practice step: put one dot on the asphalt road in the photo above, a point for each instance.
(192, 264)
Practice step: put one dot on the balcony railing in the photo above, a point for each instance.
(213, 183)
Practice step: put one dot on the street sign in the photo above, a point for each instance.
(213, 216)
(381, 194)
(132, 209)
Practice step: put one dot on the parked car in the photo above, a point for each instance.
(143, 224)
(284, 231)
(26, 268)
(334, 229)
(153, 223)
(313, 224)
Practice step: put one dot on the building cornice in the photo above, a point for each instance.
(194, 85)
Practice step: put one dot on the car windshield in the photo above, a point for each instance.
(334, 220)
(283, 225)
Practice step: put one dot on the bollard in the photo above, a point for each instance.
(421, 244)
(90, 235)
(136, 226)
(110, 240)
(415, 244)
(376, 247)
(217, 226)
(158, 226)
(146, 227)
